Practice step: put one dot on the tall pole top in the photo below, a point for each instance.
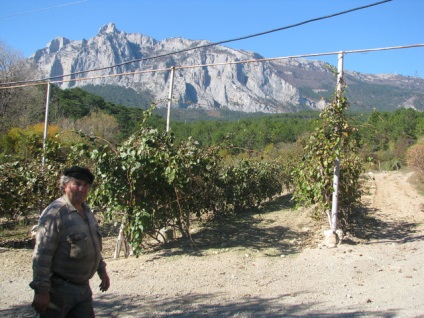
(340, 59)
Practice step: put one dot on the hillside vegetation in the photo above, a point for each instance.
(149, 179)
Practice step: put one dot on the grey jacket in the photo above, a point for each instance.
(66, 245)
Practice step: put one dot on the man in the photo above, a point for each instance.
(68, 251)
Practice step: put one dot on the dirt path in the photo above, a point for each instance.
(268, 265)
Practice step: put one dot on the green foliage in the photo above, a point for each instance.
(248, 133)
(385, 98)
(386, 136)
(121, 95)
(25, 142)
(313, 176)
(26, 186)
(149, 182)
(77, 103)
(246, 184)
(154, 179)
(18, 183)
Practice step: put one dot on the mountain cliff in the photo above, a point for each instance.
(284, 85)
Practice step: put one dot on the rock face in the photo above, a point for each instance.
(271, 87)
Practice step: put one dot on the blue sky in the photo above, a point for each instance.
(28, 25)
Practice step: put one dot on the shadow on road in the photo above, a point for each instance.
(206, 305)
(251, 230)
(368, 226)
(191, 305)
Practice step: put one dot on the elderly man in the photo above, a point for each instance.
(68, 251)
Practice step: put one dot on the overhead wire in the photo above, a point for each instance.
(216, 64)
(211, 44)
(42, 9)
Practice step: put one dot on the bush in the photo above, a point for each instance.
(313, 176)
(415, 158)
(26, 188)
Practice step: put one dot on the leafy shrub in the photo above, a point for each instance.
(149, 182)
(26, 142)
(25, 187)
(247, 184)
(313, 176)
(415, 158)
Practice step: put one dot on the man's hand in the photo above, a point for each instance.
(104, 285)
(41, 302)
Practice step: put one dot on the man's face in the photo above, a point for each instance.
(77, 191)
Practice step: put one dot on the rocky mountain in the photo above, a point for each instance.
(276, 86)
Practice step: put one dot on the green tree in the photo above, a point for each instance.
(149, 183)
(313, 176)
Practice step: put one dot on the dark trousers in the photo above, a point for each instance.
(68, 300)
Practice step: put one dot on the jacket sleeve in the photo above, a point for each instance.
(47, 240)
(102, 265)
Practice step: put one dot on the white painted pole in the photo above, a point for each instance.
(334, 207)
(171, 87)
(46, 123)
(340, 59)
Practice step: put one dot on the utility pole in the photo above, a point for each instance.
(46, 124)
(171, 87)
(334, 207)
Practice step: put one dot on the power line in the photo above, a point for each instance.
(218, 43)
(23, 84)
(42, 9)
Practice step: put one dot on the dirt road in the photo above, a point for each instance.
(267, 265)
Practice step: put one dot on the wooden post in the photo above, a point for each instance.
(121, 242)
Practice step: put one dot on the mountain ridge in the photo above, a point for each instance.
(277, 86)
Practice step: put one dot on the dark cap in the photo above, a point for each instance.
(79, 173)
